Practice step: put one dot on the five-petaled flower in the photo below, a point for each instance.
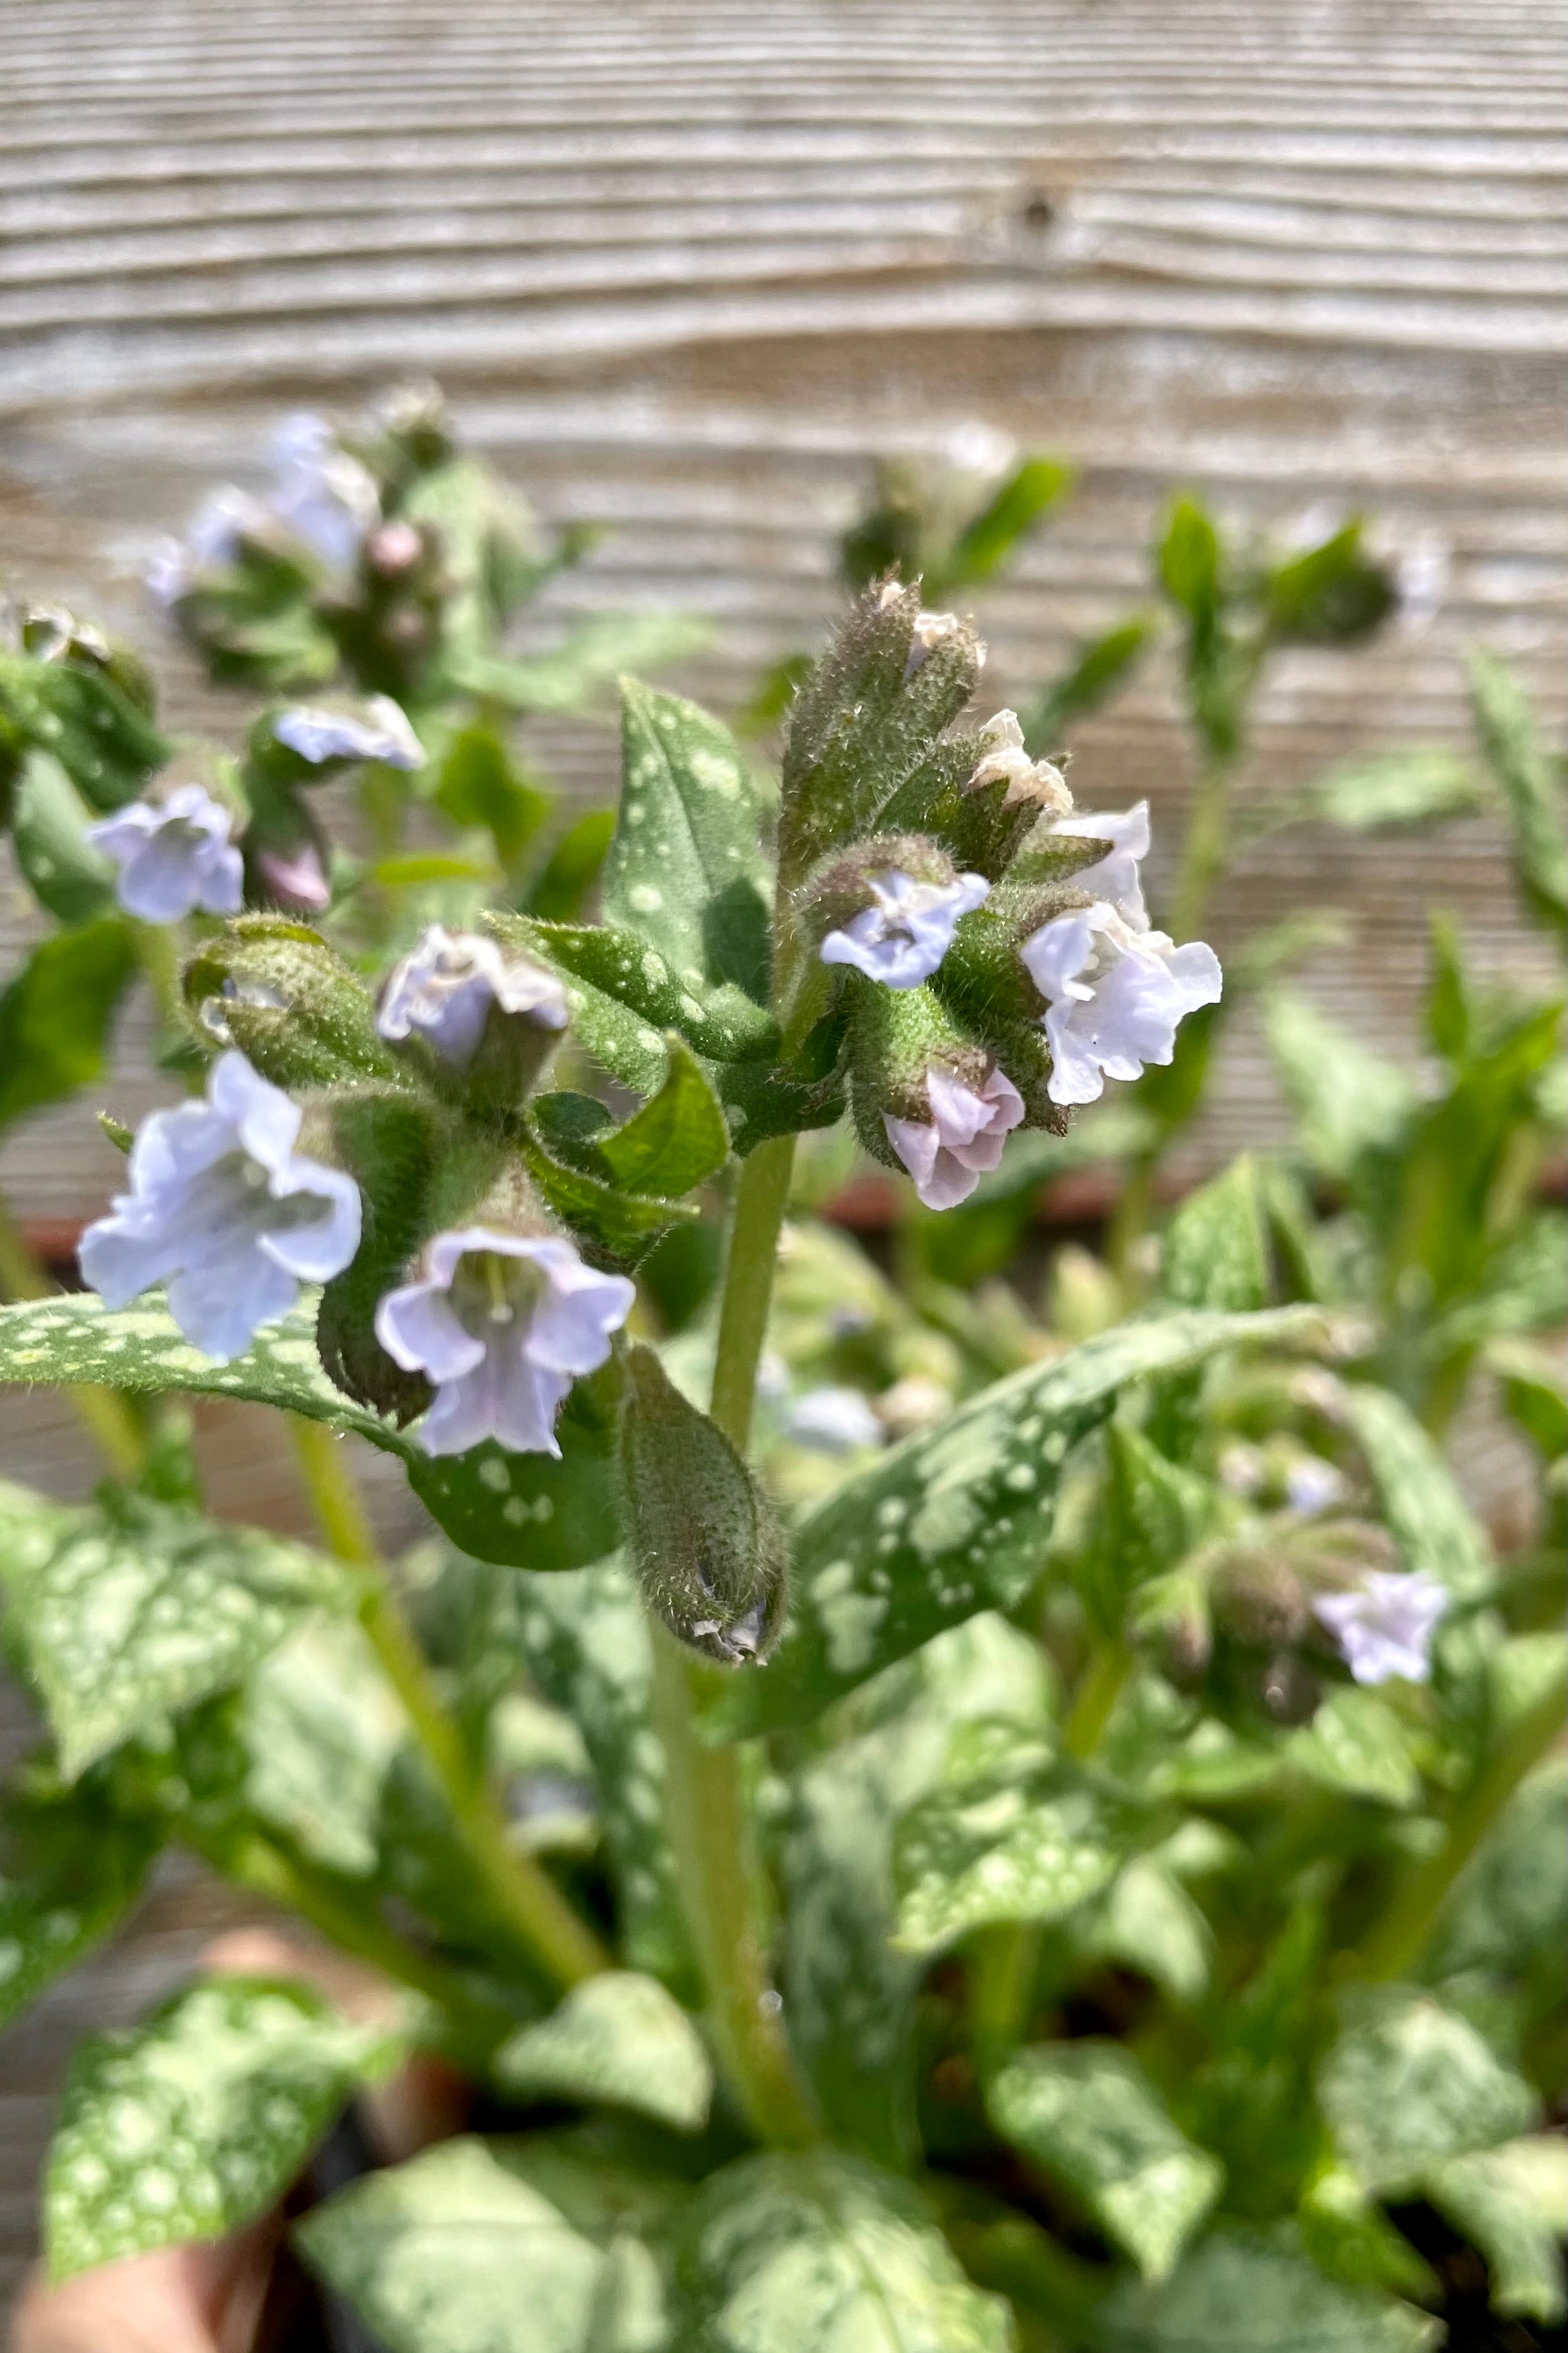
(1384, 1626)
(173, 856)
(902, 936)
(502, 1324)
(378, 731)
(1114, 995)
(444, 989)
(224, 1210)
(948, 1154)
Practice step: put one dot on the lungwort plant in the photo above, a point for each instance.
(1080, 1875)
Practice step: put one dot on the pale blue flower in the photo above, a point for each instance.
(1115, 997)
(173, 857)
(444, 989)
(1385, 1626)
(948, 1154)
(902, 936)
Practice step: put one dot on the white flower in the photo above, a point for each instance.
(1115, 877)
(1115, 997)
(378, 732)
(902, 936)
(1384, 1628)
(225, 1212)
(172, 856)
(1005, 758)
(931, 631)
(833, 1420)
(502, 1324)
(947, 1154)
(1312, 1484)
(326, 498)
(445, 986)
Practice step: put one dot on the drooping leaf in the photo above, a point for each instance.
(955, 1521)
(1094, 674)
(677, 1140)
(1410, 2084)
(989, 537)
(48, 824)
(619, 1226)
(1087, 2114)
(820, 2251)
(1513, 2203)
(125, 1617)
(56, 1011)
(1255, 2292)
(1422, 1503)
(479, 784)
(686, 873)
(497, 2247)
(617, 2038)
(196, 2119)
(106, 746)
(70, 1868)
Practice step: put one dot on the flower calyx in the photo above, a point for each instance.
(482, 1018)
(888, 908)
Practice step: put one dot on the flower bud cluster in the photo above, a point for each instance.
(986, 945)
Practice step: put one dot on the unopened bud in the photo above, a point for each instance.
(707, 1551)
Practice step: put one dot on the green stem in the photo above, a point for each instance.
(1130, 1221)
(1206, 847)
(1400, 1937)
(104, 1413)
(1006, 1958)
(1097, 1694)
(525, 1896)
(704, 1800)
(158, 947)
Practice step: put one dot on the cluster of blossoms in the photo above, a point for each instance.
(319, 496)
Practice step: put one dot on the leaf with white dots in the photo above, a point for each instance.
(956, 1522)
(532, 1511)
(141, 1348)
(617, 2038)
(124, 1616)
(199, 2118)
(686, 872)
(72, 1868)
(1025, 1840)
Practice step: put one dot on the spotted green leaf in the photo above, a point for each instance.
(819, 2253)
(125, 1617)
(198, 2118)
(1023, 1841)
(497, 2247)
(1420, 783)
(1532, 792)
(1216, 1251)
(48, 827)
(677, 1140)
(1086, 2112)
(1355, 1743)
(1513, 2203)
(686, 873)
(1410, 2084)
(955, 1520)
(106, 746)
(1245, 2291)
(532, 1511)
(1148, 1922)
(617, 2038)
(1348, 1101)
(71, 1869)
(1422, 1506)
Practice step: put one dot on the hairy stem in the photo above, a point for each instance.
(544, 1923)
(104, 1413)
(1401, 1935)
(704, 1800)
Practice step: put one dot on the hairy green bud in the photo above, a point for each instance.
(707, 1550)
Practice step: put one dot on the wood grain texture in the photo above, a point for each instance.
(685, 269)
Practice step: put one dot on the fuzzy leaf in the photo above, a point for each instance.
(686, 872)
(623, 996)
(72, 1868)
(1356, 1744)
(199, 2118)
(125, 1617)
(1347, 1101)
(955, 1521)
(1007, 1846)
(617, 2038)
(677, 1140)
(1513, 2203)
(496, 2247)
(532, 1511)
(1215, 1252)
(1087, 2114)
(1255, 2292)
(141, 1348)
(816, 2252)
(48, 822)
(55, 1014)
(107, 747)
(1410, 2084)
(1425, 1512)
(620, 1225)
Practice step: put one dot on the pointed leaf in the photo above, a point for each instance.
(1423, 1505)
(1513, 2203)
(686, 872)
(557, 894)
(1215, 1252)
(72, 1868)
(1088, 2115)
(55, 1014)
(623, 996)
(1009, 1846)
(821, 2253)
(1256, 2292)
(1533, 795)
(106, 746)
(617, 2038)
(198, 2118)
(1347, 1101)
(619, 1226)
(48, 827)
(1410, 2084)
(1417, 785)
(956, 1522)
(988, 538)
(677, 1140)
(1356, 1744)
